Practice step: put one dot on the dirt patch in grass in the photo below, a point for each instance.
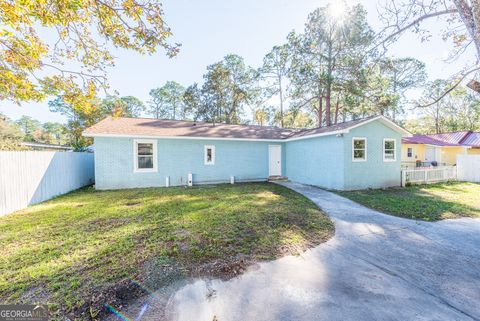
(424, 202)
(89, 252)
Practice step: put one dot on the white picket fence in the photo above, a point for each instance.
(35, 176)
(468, 168)
(428, 175)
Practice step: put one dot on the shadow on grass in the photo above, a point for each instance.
(77, 250)
(425, 202)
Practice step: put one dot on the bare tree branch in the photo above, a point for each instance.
(415, 22)
(455, 85)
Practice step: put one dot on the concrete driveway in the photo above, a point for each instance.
(376, 267)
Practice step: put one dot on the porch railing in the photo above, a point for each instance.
(423, 164)
(428, 175)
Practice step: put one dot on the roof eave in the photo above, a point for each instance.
(181, 137)
(92, 135)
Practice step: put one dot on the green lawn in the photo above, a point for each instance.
(73, 250)
(425, 202)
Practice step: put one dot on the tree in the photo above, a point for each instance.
(462, 17)
(78, 120)
(296, 118)
(32, 68)
(327, 57)
(265, 116)
(229, 85)
(468, 114)
(378, 96)
(28, 126)
(157, 104)
(399, 16)
(457, 111)
(274, 71)
(197, 104)
(462, 110)
(419, 125)
(133, 107)
(435, 112)
(11, 136)
(402, 74)
(167, 101)
(55, 133)
(128, 106)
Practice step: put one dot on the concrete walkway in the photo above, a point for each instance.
(376, 267)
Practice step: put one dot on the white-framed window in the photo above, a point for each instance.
(209, 155)
(409, 152)
(144, 155)
(359, 149)
(389, 150)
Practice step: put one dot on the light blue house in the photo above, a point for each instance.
(140, 152)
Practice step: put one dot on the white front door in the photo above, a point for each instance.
(274, 160)
(430, 154)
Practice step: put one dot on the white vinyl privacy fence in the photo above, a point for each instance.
(428, 175)
(34, 176)
(468, 168)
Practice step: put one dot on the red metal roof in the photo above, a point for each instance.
(426, 139)
(473, 139)
(462, 138)
(452, 138)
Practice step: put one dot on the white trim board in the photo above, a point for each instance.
(360, 160)
(218, 138)
(205, 161)
(394, 150)
(274, 169)
(154, 169)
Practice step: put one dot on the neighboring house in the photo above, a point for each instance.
(46, 147)
(139, 152)
(422, 150)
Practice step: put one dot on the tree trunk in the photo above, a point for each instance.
(328, 104)
(320, 111)
(394, 111)
(281, 100)
(328, 89)
(337, 108)
(470, 16)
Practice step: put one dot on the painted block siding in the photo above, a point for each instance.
(375, 172)
(316, 161)
(327, 161)
(114, 168)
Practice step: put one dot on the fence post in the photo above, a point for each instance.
(425, 176)
(404, 178)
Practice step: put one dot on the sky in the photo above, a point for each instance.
(210, 29)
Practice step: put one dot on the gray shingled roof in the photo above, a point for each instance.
(178, 128)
